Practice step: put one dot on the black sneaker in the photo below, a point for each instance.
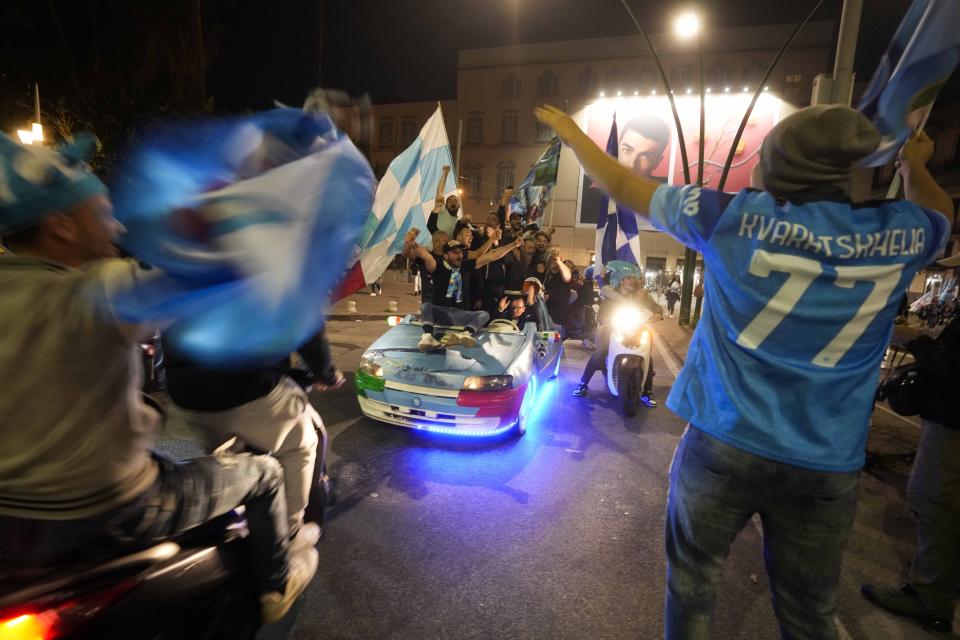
(904, 601)
(649, 400)
(580, 391)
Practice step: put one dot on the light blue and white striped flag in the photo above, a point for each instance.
(923, 54)
(403, 201)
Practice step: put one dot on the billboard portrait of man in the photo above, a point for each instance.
(643, 142)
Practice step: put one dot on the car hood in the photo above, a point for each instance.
(396, 352)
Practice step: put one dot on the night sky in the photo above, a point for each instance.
(405, 50)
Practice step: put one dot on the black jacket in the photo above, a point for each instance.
(940, 360)
(198, 388)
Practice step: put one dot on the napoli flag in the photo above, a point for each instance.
(924, 52)
(533, 194)
(250, 223)
(404, 200)
(618, 237)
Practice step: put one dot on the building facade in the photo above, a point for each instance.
(498, 88)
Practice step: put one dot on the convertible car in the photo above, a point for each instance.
(484, 390)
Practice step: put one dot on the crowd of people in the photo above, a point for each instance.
(777, 389)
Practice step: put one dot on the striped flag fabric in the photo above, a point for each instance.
(403, 201)
(618, 237)
(923, 54)
(533, 194)
(243, 219)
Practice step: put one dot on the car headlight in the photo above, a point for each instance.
(488, 383)
(644, 338)
(626, 319)
(371, 368)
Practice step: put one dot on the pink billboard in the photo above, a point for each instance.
(648, 143)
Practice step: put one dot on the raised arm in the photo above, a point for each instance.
(409, 242)
(620, 183)
(420, 251)
(918, 185)
(504, 203)
(438, 200)
(496, 254)
(564, 269)
(485, 247)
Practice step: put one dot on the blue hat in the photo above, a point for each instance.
(37, 180)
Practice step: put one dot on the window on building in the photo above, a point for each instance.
(587, 82)
(508, 127)
(505, 176)
(475, 128)
(752, 74)
(387, 138)
(408, 131)
(473, 184)
(543, 132)
(510, 86)
(615, 78)
(548, 85)
(793, 88)
(719, 76)
(647, 80)
(681, 77)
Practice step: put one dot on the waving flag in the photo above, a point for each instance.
(617, 235)
(245, 219)
(533, 194)
(924, 52)
(404, 201)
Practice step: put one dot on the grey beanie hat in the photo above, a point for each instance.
(815, 147)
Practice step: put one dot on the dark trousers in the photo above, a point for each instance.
(183, 496)
(807, 516)
(934, 496)
(598, 360)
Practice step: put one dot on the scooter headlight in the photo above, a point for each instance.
(626, 320)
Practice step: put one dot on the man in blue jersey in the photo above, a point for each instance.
(802, 287)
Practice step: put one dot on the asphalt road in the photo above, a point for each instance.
(558, 534)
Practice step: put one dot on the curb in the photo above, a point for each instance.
(671, 348)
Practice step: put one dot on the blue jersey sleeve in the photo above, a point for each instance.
(941, 234)
(688, 213)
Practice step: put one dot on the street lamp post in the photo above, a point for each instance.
(687, 26)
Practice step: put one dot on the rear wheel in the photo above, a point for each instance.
(628, 388)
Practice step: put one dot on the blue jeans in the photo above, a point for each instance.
(807, 516)
(183, 496)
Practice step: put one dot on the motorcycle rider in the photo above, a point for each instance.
(265, 408)
(77, 475)
(621, 288)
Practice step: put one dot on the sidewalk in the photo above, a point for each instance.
(377, 307)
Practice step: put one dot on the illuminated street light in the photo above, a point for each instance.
(619, 93)
(653, 92)
(746, 89)
(689, 90)
(766, 88)
(602, 94)
(726, 89)
(687, 25)
(708, 89)
(636, 93)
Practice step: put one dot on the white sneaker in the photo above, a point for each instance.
(428, 343)
(308, 536)
(466, 339)
(450, 339)
(300, 570)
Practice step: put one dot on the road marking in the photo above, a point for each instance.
(897, 415)
(666, 356)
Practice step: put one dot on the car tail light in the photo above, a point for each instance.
(63, 618)
(504, 404)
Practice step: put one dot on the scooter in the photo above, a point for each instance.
(195, 586)
(629, 357)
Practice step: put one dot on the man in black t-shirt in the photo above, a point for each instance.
(451, 294)
(556, 286)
